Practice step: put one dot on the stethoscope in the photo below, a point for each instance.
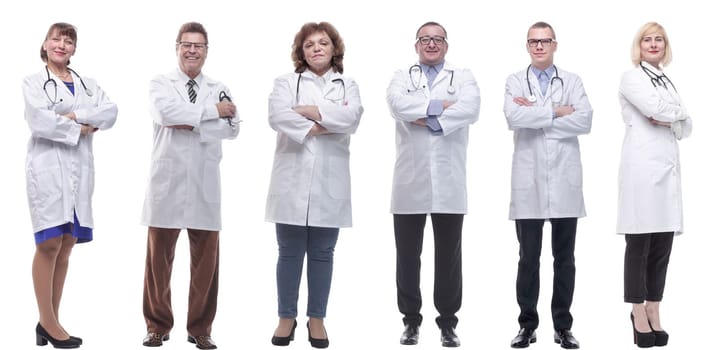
(224, 96)
(657, 80)
(54, 83)
(417, 69)
(532, 98)
(336, 80)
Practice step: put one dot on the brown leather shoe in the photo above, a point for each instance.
(155, 339)
(203, 341)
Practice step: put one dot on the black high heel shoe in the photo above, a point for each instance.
(643, 340)
(317, 343)
(283, 341)
(661, 337)
(42, 337)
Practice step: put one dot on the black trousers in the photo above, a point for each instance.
(409, 237)
(530, 238)
(646, 261)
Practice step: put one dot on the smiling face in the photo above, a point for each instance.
(59, 48)
(191, 51)
(652, 48)
(431, 45)
(541, 46)
(318, 51)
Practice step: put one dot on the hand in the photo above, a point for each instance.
(70, 115)
(563, 110)
(310, 112)
(656, 122)
(446, 104)
(87, 129)
(318, 129)
(420, 122)
(181, 127)
(226, 109)
(522, 101)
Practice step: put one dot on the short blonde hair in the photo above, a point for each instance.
(646, 29)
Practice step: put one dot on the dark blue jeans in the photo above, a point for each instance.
(319, 244)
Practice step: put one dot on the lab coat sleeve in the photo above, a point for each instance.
(46, 123)
(577, 123)
(216, 129)
(281, 116)
(405, 106)
(638, 90)
(465, 110)
(342, 119)
(102, 114)
(168, 109)
(523, 117)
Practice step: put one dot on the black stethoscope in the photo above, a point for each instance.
(657, 80)
(532, 98)
(417, 69)
(224, 96)
(336, 80)
(54, 83)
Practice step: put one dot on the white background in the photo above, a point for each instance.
(124, 44)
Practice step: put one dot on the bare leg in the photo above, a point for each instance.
(652, 309)
(317, 328)
(61, 266)
(43, 276)
(641, 325)
(285, 327)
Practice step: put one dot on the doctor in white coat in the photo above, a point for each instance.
(650, 190)
(314, 111)
(191, 113)
(433, 104)
(547, 109)
(63, 111)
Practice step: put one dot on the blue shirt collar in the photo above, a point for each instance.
(438, 67)
(548, 71)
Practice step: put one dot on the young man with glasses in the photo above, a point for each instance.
(547, 109)
(433, 104)
(190, 121)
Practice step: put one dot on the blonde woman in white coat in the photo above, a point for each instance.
(314, 110)
(63, 111)
(650, 197)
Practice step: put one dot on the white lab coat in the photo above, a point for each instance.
(546, 173)
(430, 169)
(184, 189)
(310, 182)
(59, 166)
(650, 189)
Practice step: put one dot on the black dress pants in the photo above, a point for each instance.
(530, 238)
(409, 238)
(646, 261)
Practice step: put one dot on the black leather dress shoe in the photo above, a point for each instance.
(525, 337)
(410, 336)
(449, 338)
(565, 338)
(155, 339)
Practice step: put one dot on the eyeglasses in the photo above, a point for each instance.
(186, 45)
(438, 40)
(545, 42)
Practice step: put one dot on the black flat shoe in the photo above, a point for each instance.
(449, 338)
(661, 337)
(566, 340)
(410, 336)
(525, 337)
(643, 340)
(284, 341)
(317, 343)
(42, 337)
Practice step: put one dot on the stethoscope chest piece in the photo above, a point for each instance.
(531, 98)
(451, 90)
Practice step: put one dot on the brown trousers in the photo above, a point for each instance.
(203, 293)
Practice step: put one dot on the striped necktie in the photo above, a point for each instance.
(191, 91)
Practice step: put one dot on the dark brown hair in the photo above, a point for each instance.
(308, 29)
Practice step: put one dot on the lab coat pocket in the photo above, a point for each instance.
(338, 179)
(212, 182)
(44, 189)
(283, 173)
(574, 175)
(522, 178)
(160, 180)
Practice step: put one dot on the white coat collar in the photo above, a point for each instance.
(652, 68)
